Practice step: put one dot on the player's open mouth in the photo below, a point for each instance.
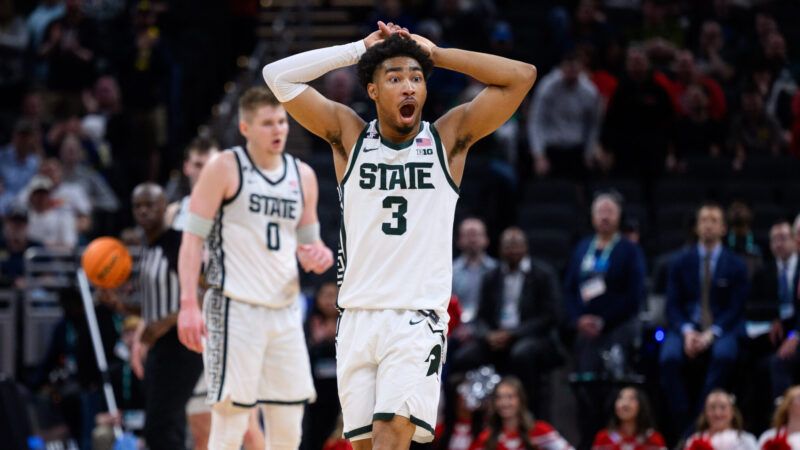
(407, 110)
(276, 142)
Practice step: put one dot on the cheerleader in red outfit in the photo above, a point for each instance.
(512, 427)
(786, 432)
(631, 426)
(720, 426)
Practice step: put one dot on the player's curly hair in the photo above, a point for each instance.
(394, 45)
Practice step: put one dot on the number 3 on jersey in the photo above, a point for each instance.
(273, 236)
(398, 224)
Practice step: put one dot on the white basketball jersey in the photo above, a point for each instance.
(398, 203)
(253, 243)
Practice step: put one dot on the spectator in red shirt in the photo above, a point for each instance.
(686, 74)
(631, 426)
(512, 427)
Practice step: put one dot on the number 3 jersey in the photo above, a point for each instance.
(398, 203)
(252, 247)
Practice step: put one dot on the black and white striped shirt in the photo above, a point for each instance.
(158, 277)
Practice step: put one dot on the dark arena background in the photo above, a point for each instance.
(670, 128)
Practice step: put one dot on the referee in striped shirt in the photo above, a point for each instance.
(170, 370)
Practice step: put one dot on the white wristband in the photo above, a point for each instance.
(286, 77)
(308, 234)
(198, 226)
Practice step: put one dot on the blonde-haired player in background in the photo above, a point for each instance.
(256, 208)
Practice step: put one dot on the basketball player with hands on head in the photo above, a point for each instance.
(256, 208)
(398, 185)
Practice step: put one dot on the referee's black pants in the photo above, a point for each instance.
(170, 375)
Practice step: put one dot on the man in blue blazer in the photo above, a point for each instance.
(603, 292)
(706, 293)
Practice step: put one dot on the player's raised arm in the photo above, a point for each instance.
(216, 182)
(332, 121)
(313, 254)
(507, 83)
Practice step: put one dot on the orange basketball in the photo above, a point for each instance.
(107, 262)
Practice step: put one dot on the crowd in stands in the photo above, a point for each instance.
(673, 126)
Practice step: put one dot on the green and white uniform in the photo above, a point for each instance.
(395, 271)
(255, 351)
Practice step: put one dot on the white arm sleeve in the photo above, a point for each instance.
(286, 77)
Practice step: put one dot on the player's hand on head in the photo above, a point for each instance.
(426, 44)
(191, 328)
(384, 31)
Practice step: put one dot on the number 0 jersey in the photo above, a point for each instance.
(253, 243)
(398, 203)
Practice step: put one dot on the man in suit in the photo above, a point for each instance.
(772, 326)
(516, 320)
(603, 291)
(779, 281)
(706, 293)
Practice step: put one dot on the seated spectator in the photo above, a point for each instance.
(14, 244)
(786, 271)
(720, 426)
(76, 170)
(321, 333)
(510, 426)
(471, 266)
(48, 223)
(753, 132)
(96, 154)
(603, 290)
(772, 325)
(564, 121)
(696, 133)
(631, 425)
(70, 195)
(785, 431)
(685, 75)
(19, 162)
(639, 120)
(516, 320)
(741, 239)
(706, 292)
(713, 57)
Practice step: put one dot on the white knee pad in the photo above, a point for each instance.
(283, 426)
(228, 425)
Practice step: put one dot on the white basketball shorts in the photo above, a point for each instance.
(389, 362)
(254, 354)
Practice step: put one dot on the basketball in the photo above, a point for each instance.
(107, 262)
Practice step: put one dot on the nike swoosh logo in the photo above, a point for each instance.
(411, 322)
(366, 150)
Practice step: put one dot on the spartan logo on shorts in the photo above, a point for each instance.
(435, 359)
